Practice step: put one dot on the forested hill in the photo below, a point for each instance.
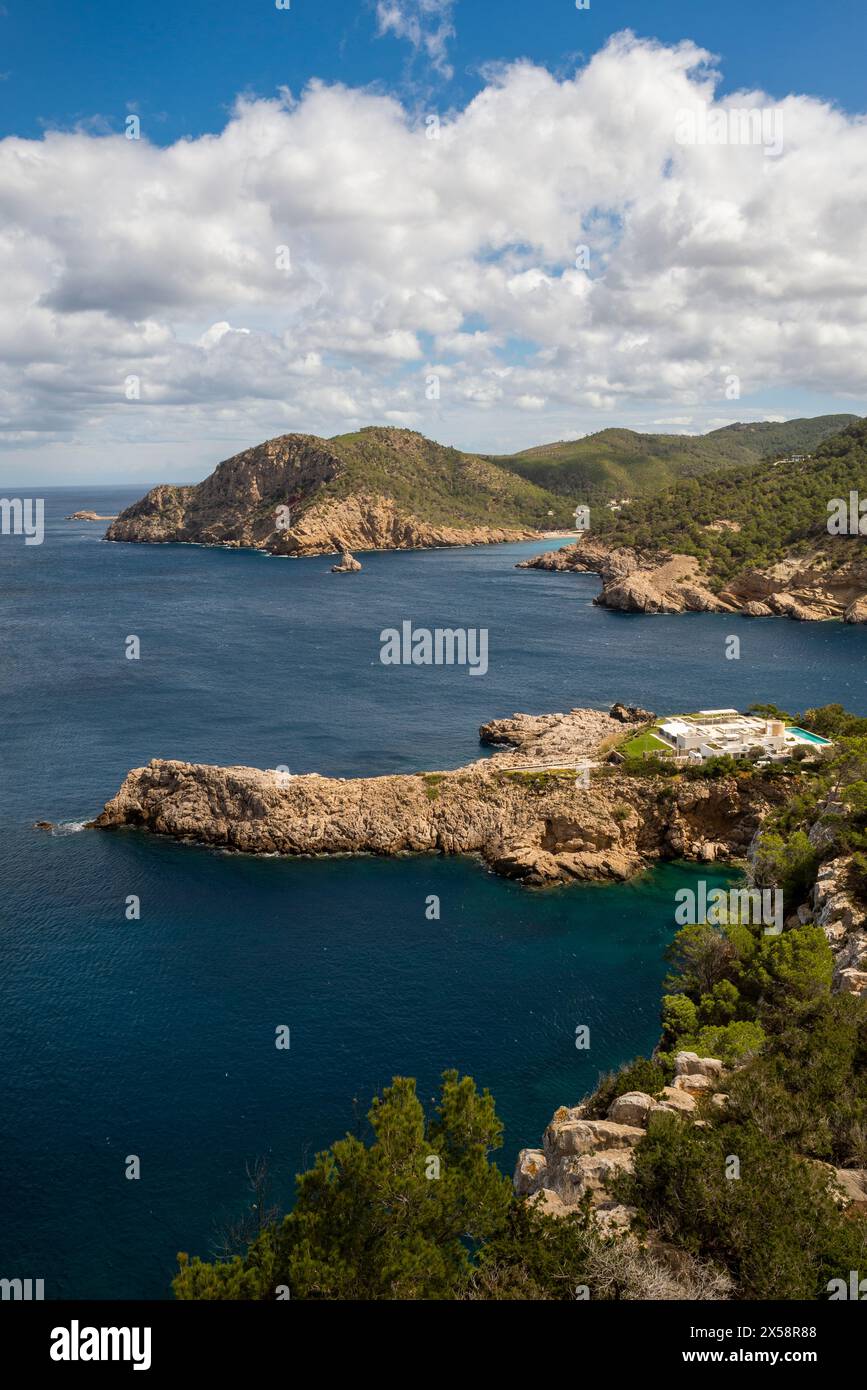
(618, 463)
(770, 509)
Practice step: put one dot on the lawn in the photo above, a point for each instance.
(644, 743)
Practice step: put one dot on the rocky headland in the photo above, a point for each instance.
(545, 809)
(380, 489)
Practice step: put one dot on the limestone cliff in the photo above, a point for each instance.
(379, 489)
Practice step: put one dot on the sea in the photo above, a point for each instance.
(147, 1032)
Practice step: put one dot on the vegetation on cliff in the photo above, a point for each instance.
(421, 1211)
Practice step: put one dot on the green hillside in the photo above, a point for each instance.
(440, 484)
(622, 463)
(780, 507)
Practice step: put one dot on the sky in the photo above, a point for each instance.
(498, 224)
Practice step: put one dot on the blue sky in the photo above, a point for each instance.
(183, 64)
(708, 271)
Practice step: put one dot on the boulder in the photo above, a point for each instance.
(690, 1064)
(632, 1108)
(857, 610)
(631, 714)
(550, 1203)
(674, 1100)
(531, 1171)
(853, 1184)
(692, 1083)
(588, 1137)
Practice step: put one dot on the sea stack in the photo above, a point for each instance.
(348, 564)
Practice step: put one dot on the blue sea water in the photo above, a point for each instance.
(156, 1037)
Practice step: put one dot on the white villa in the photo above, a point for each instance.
(714, 732)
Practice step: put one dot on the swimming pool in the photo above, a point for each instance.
(803, 736)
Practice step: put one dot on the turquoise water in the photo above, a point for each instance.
(156, 1037)
(805, 735)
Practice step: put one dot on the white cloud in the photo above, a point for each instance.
(122, 258)
(426, 24)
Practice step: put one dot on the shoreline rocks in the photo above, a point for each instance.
(813, 587)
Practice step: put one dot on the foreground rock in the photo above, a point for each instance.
(815, 586)
(581, 1158)
(538, 826)
(348, 564)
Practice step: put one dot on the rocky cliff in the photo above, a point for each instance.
(821, 584)
(581, 1157)
(382, 489)
(536, 821)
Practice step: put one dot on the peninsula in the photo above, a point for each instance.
(376, 489)
(546, 807)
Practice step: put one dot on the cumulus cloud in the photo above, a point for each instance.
(556, 256)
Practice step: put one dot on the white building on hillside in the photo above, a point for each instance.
(712, 733)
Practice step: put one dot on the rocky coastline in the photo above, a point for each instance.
(544, 809)
(811, 587)
(298, 495)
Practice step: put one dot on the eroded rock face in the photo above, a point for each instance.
(826, 583)
(844, 922)
(582, 1158)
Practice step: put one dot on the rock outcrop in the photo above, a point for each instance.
(821, 584)
(844, 922)
(581, 1157)
(90, 516)
(536, 825)
(348, 564)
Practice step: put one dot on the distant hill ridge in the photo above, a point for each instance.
(383, 488)
(617, 462)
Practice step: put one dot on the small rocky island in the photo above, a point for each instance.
(91, 516)
(348, 564)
